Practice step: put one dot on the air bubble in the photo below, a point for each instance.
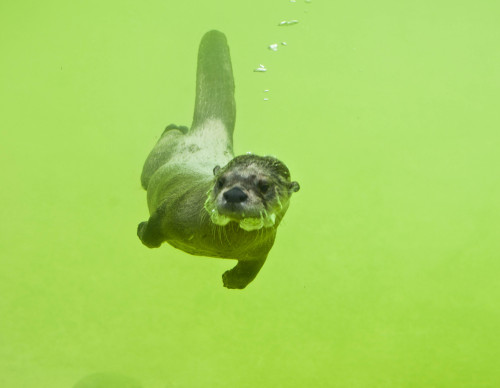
(288, 22)
(260, 69)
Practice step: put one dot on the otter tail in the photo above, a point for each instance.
(214, 83)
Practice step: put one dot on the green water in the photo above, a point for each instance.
(385, 269)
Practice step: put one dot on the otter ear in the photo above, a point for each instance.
(216, 169)
(294, 187)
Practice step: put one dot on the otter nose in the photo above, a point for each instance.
(235, 195)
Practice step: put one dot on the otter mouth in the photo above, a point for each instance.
(236, 212)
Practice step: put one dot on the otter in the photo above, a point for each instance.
(201, 198)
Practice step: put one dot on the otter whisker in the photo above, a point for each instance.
(224, 232)
(278, 199)
(218, 228)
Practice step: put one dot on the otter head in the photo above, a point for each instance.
(252, 190)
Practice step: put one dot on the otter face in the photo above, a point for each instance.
(251, 190)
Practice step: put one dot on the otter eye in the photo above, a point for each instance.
(220, 183)
(263, 187)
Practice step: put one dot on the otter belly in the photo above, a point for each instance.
(228, 242)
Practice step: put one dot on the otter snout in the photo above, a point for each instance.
(235, 195)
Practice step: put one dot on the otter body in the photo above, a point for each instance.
(195, 205)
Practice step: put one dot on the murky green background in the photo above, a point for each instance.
(385, 271)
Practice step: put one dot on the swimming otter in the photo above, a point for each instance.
(200, 207)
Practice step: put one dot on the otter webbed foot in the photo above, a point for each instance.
(242, 274)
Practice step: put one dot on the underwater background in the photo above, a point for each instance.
(385, 271)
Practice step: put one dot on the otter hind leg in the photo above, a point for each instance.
(181, 128)
(242, 274)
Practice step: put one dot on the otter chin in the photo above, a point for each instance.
(228, 212)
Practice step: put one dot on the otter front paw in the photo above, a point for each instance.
(234, 281)
(242, 274)
(151, 240)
